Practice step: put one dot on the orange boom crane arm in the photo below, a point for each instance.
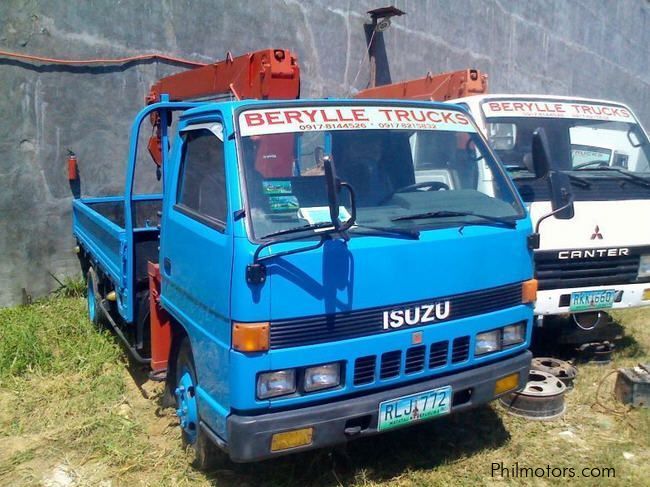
(265, 74)
(440, 87)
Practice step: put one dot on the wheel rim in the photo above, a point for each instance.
(91, 299)
(187, 411)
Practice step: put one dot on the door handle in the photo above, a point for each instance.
(167, 266)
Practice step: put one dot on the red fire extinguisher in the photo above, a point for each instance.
(73, 170)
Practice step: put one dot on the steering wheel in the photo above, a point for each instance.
(432, 185)
(596, 162)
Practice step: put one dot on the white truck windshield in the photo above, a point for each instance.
(400, 161)
(585, 136)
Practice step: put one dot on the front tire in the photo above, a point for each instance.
(187, 410)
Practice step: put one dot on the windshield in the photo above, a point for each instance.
(583, 136)
(399, 161)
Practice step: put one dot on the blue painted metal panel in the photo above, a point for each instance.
(99, 236)
(196, 267)
(338, 277)
(211, 353)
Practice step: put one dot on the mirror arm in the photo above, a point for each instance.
(533, 240)
(558, 210)
(257, 259)
(256, 272)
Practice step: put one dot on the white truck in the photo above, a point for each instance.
(600, 259)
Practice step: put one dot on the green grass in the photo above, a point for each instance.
(60, 383)
(51, 336)
(69, 400)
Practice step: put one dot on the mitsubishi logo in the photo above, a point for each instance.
(596, 235)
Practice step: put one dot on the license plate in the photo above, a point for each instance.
(588, 300)
(414, 408)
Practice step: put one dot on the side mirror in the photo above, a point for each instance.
(334, 185)
(559, 184)
(561, 195)
(541, 154)
(333, 188)
(633, 137)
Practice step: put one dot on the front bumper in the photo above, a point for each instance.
(338, 422)
(556, 301)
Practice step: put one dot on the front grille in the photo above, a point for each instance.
(364, 370)
(556, 274)
(438, 354)
(342, 326)
(390, 364)
(460, 350)
(415, 359)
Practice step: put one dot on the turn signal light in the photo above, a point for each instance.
(529, 291)
(291, 439)
(250, 337)
(505, 384)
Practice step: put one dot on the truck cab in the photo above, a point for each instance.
(303, 281)
(599, 259)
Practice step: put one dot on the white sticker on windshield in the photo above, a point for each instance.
(307, 119)
(320, 214)
(553, 109)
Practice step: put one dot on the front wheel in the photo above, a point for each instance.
(187, 409)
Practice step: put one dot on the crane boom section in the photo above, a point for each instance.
(265, 74)
(440, 87)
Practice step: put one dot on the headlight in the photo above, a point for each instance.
(278, 383)
(322, 377)
(487, 342)
(644, 266)
(513, 334)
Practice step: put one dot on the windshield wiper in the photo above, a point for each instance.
(578, 181)
(320, 225)
(445, 213)
(631, 176)
(301, 228)
(517, 167)
(388, 232)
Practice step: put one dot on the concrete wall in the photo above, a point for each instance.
(598, 48)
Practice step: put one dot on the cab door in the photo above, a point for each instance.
(196, 256)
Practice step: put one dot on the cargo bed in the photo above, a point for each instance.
(119, 247)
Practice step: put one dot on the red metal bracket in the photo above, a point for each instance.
(161, 329)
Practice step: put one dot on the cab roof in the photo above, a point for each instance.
(252, 103)
(529, 96)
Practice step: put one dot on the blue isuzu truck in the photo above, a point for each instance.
(314, 271)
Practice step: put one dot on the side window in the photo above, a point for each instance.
(202, 184)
